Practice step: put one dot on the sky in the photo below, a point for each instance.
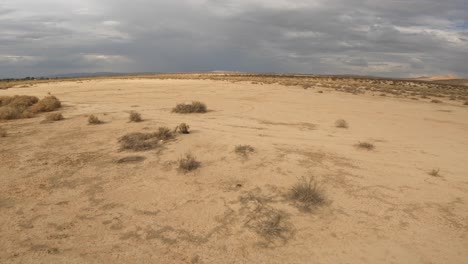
(391, 38)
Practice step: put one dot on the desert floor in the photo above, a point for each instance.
(65, 199)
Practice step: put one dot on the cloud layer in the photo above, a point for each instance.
(387, 38)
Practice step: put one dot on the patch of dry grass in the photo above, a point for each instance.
(16, 107)
(194, 107)
(46, 104)
(365, 145)
(434, 173)
(307, 193)
(341, 123)
(188, 163)
(94, 120)
(436, 101)
(54, 117)
(244, 150)
(135, 117)
(139, 141)
(164, 133)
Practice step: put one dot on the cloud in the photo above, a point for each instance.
(389, 38)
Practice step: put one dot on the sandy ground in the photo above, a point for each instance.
(64, 199)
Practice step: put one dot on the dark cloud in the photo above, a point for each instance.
(390, 38)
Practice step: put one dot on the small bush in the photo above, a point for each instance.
(434, 172)
(365, 145)
(436, 101)
(188, 163)
(244, 150)
(183, 128)
(194, 107)
(164, 133)
(3, 132)
(135, 117)
(307, 193)
(15, 107)
(139, 141)
(341, 123)
(54, 117)
(47, 104)
(94, 120)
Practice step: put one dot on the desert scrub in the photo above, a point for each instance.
(164, 133)
(54, 117)
(47, 104)
(139, 141)
(16, 107)
(434, 172)
(365, 145)
(182, 129)
(188, 163)
(135, 117)
(194, 107)
(244, 150)
(436, 101)
(341, 123)
(307, 193)
(3, 132)
(94, 120)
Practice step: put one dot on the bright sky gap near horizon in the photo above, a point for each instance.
(392, 38)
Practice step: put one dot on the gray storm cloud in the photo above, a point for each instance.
(387, 38)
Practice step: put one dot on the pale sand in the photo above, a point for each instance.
(64, 199)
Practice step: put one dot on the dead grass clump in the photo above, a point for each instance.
(434, 173)
(183, 128)
(135, 117)
(307, 193)
(244, 150)
(46, 104)
(139, 141)
(18, 100)
(194, 107)
(436, 101)
(54, 117)
(188, 163)
(94, 120)
(3, 132)
(131, 159)
(164, 133)
(341, 123)
(365, 145)
(15, 107)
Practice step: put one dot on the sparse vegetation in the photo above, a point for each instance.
(365, 145)
(3, 132)
(183, 128)
(435, 173)
(135, 117)
(54, 117)
(94, 120)
(188, 163)
(244, 150)
(139, 141)
(164, 133)
(194, 107)
(131, 159)
(307, 193)
(436, 101)
(341, 123)
(16, 107)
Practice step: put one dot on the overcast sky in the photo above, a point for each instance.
(370, 37)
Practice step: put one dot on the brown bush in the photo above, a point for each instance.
(164, 133)
(139, 141)
(15, 107)
(434, 173)
(54, 117)
(183, 128)
(436, 101)
(188, 163)
(341, 123)
(47, 104)
(194, 107)
(94, 120)
(135, 117)
(244, 150)
(307, 193)
(365, 145)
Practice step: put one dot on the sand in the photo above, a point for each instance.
(64, 198)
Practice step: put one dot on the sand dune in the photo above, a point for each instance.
(66, 198)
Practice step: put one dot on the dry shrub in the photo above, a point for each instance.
(194, 107)
(341, 123)
(434, 172)
(131, 159)
(18, 100)
(94, 120)
(139, 141)
(188, 163)
(135, 117)
(3, 132)
(244, 150)
(307, 193)
(164, 133)
(54, 117)
(365, 145)
(47, 104)
(15, 107)
(183, 128)
(436, 101)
